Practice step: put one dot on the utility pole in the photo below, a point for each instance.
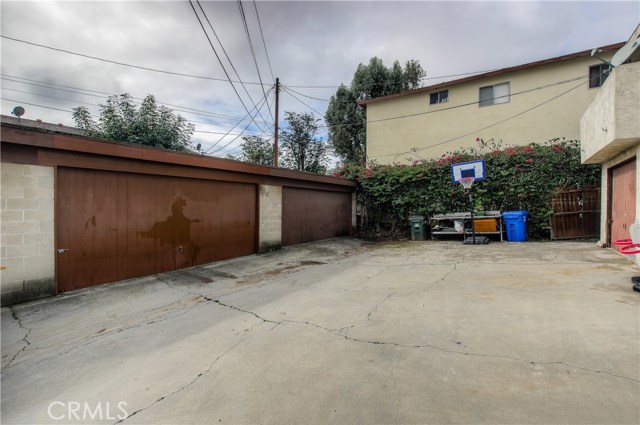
(275, 140)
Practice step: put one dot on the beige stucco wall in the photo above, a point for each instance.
(435, 133)
(611, 123)
(270, 230)
(27, 234)
(610, 132)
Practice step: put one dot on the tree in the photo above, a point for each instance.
(347, 125)
(301, 150)
(256, 150)
(149, 125)
(347, 120)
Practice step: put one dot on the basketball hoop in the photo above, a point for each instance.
(466, 182)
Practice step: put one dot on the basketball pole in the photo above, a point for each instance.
(473, 222)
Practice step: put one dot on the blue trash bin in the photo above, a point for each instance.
(516, 225)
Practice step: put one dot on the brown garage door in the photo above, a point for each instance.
(115, 226)
(623, 200)
(310, 215)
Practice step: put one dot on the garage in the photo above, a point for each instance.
(80, 212)
(310, 215)
(116, 225)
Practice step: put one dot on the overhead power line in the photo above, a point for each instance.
(253, 53)
(46, 84)
(227, 56)
(299, 100)
(264, 44)
(50, 97)
(413, 151)
(264, 99)
(35, 104)
(222, 65)
(477, 102)
(456, 106)
(458, 75)
(104, 95)
(93, 104)
(304, 95)
(182, 74)
(202, 77)
(212, 132)
(145, 68)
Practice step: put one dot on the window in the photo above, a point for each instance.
(439, 97)
(492, 95)
(598, 74)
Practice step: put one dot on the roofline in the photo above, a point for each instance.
(40, 125)
(582, 53)
(18, 133)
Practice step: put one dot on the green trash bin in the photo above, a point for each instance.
(417, 223)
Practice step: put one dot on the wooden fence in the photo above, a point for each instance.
(575, 213)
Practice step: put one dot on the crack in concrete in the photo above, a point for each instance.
(446, 275)
(345, 329)
(430, 346)
(24, 338)
(241, 310)
(184, 387)
(375, 308)
(91, 339)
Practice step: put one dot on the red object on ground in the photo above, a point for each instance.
(623, 242)
(630, 249)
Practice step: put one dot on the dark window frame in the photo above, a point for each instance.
(598, 74)
(439, 97)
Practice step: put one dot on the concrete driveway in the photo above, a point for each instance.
(339, 332)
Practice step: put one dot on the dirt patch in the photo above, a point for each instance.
(276, 272)
(266, 275)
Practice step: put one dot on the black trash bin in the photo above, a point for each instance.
(417, 223)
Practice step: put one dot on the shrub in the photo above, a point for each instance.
(518, 178)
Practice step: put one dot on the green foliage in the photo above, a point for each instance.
(518, 178)
(347, 125)
(149, 124)
(347, 121)
(255, 150)
(301, 150)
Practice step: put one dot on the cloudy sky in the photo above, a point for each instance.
(313, 46)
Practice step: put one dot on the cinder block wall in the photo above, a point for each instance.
(270, 230)
(27, 256)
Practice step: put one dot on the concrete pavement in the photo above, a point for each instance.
(339, 332)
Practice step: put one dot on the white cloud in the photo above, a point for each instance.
(309, 43)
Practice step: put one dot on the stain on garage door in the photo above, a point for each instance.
(113, 226)
(310, 215)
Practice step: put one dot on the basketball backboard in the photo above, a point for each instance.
(473, 169)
